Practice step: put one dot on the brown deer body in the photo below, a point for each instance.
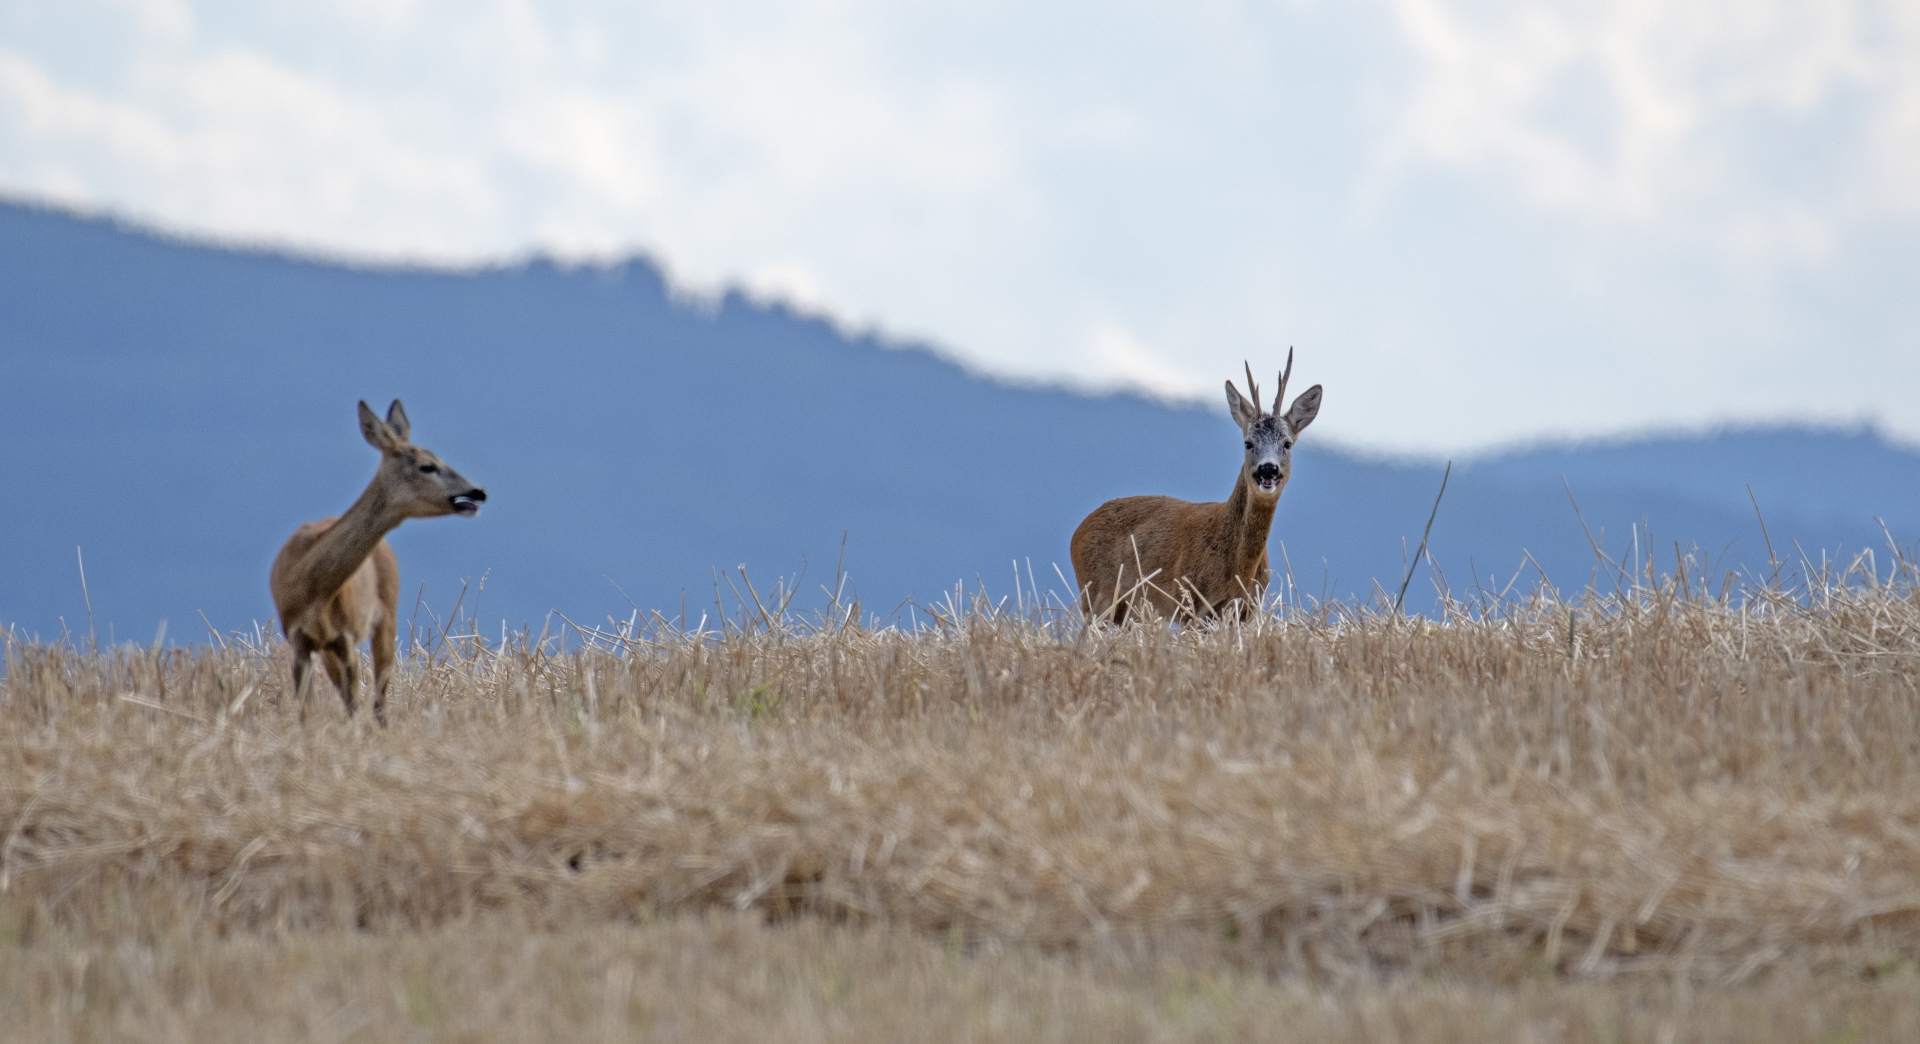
(1187, 560)
(336, 582)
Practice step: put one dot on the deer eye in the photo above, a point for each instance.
(1287, 444)
(1249, 443)
(428, 469)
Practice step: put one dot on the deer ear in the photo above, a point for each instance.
(376, 431)
(397, 420)
(1304, 410)
(1244, 414)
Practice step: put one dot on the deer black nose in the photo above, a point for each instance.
(1267, 471)
(476, 493)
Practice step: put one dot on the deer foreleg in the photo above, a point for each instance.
(344, 668)
(384, 633)
(302, 671)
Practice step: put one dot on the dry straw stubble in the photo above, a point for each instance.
(1710, 788)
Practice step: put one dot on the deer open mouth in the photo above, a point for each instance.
(467, 505)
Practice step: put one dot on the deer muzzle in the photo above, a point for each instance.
(468, 504)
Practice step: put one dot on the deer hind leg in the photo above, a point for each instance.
(1114, 612)
(1189, 608)
(384, 633)
(1093, 611)
(1090, 608)
(343, 667)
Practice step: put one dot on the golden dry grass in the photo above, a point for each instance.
(1611, 820)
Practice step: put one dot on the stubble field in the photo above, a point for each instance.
(1668, 814)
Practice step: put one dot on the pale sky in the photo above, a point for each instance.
(1478, 222)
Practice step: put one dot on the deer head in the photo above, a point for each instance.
(417, 483)
(1269, 436)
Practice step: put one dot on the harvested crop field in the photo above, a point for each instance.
(1664, 814)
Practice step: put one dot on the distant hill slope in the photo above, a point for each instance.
(177, 409)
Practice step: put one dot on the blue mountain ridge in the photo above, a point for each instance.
(174, 409)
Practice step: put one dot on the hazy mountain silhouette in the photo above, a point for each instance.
(176, 409)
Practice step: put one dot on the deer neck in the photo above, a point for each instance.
(345, 545)
(1246, 523)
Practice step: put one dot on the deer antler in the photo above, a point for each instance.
(1280, 397)
(1252, 388)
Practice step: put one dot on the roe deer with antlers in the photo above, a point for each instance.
(1186, 560)
(337, 582)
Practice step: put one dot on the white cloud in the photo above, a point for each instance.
(1675, 118)
(45, 113)
(1896, 136)
(169, 21)
(1428, 199)
(237, 144)
(1118, 352)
